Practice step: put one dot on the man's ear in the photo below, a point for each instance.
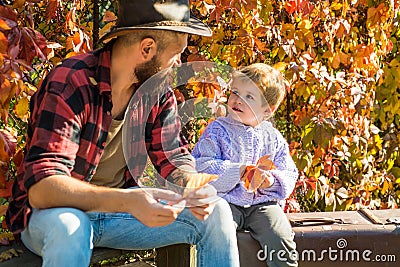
(148, 48)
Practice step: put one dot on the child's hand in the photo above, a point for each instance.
(244, 171)
(268, 180)
(255, 177)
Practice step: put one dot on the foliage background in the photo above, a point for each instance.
(340, 57)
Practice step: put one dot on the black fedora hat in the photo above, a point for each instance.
(172, 15)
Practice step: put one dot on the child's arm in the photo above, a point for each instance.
(285, 174)
(210, 158)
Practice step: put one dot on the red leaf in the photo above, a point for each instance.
(8, 145)
(51, 9)
(34, 44)
(6, 192)
(18, 157)
(7, 13)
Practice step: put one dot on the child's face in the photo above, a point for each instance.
(246, 103)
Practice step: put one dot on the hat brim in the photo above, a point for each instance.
(193, 26)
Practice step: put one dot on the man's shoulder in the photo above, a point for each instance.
(73, 72)
(85, 61)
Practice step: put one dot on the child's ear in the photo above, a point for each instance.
(269, 111)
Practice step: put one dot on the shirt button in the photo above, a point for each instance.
(108, 113)
(103, 144)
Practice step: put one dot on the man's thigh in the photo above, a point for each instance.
(122, 230)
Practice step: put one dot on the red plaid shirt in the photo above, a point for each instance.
(68, 127)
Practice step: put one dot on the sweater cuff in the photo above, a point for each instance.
(229, 179)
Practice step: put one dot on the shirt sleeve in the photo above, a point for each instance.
(54, 138)
(211, 159)
(285, 173)
(165, 144)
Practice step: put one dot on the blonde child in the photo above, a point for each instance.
(232, 146)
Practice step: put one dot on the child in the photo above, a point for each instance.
(233, 146)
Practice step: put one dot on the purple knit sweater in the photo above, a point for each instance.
(227, 144)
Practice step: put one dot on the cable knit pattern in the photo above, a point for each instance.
(227, 144)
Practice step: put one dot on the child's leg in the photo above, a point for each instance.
(268, 224)
(238, 216)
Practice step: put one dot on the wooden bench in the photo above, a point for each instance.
(170, 256)
(358, 231)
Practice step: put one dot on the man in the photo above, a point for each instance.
(71, 191)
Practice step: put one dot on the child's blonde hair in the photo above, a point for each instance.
(269, 80)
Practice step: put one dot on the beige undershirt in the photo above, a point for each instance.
(110, 171)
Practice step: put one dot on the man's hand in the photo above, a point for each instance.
(156, 207)
(202, 201)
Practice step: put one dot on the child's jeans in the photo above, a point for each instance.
(66, 236)
(268, 224)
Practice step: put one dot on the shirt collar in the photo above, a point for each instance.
(103, 71)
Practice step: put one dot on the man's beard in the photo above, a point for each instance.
(147, 69)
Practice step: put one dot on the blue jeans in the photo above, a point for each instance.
(66, 236)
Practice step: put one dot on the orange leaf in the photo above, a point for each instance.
(179, 96)
(3, 43)
(109, 16)
(4, 25)
(7, 91)
(253, 173)
(77, 39)
(3, 209)
(198, 180)
(264, 163)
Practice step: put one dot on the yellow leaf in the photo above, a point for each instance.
(22, 108)
(305, 24)
(71, 54)
(9, 254)
(18, 3)
(106, 28)
(300, 44)
(336, 6)
(281, 66)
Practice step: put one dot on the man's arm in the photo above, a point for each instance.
(168, 151)
(61, 191)
(53, 147)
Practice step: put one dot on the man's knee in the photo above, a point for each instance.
(222, 208)
(60, 223)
